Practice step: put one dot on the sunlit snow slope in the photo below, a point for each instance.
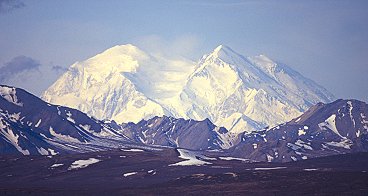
(244, 94)
(123, 84)
(127, 84)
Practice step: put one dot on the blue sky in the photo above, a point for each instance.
(326, 41)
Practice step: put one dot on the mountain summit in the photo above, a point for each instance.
(240, 93)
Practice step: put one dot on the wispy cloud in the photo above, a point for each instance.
(17, 65)
(28, 73)
(180, 46)
(59, 68)
(9, 5)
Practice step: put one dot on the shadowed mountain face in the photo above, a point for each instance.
(31, 126)
(169, 131)
(325, 129)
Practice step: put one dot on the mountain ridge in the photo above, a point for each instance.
(325, 129)
(30, 126)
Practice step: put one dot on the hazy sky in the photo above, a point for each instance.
(326, 41)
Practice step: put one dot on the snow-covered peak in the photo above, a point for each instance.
(121, 58)
(264, 63)
(223, 53)
(123, 83)
(9, 94)
(221, 48)
(243, 94)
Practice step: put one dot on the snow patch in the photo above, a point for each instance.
(63, 137)
(129, 174)
(301, 132)
(38, 123)
(79, 164)
(344, 143)
(132, 150)
(15, 117)
(69, 117)
(152, 172)
(269, 168)
(191, 159)
(42, 151)
(350, 104)
(230, 173)
(9, 94)
(233, 158)
(310, 169)
(52, 151)
(330, 123)
(269, 158)
(303, 144)
(13, 139)
(56, 165)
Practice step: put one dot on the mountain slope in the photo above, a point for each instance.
(245, 94)
(31, 126)
(119, 84)
(325, 129)
(241, 94)
(189, 134)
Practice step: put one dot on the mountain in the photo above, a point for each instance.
(325, 129)
(29, 126)
(247, 94)
(189, 134)
(123, 84)
(126, 84)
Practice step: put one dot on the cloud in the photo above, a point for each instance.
(17, 65)
(59, 68)
(10, 5)
(180, 46)
(27, 73)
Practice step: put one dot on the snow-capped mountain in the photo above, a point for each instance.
(245, 94)
(109, 85)
(126, 84)
(31, 126)
(325, 129)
